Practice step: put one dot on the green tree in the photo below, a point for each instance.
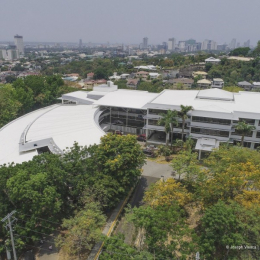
(164, 228)
(196, 79)
(111, 169)
(4, 68)
(225, 225)
(186, 163)
(10, 79)
(241, 51)
(101, 73)
(243, 128)
(25, 97)
(233, 89)
(256, 51)
(115, 249)
(82, 231)
(9, 106)
(184, 115)
(168, 120)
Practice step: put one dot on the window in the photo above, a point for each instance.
(239, 133)
(157, 111)
(248, 121)
(210, 120)
(213, 132)
(258, 135)
(247, 144)
(152, 122)
(256, 145)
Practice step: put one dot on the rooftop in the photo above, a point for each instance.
(215, 94)
(204, 81)
(244, 83)
(219, 102)
(126, 98)
(64, 124)
(200, 73)
(240, 58)
(212, 59)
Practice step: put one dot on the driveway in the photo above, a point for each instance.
(156, 170)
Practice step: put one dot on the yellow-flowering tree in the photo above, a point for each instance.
(166, 193)
(234, 174)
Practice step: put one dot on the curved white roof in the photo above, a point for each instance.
(65, 124)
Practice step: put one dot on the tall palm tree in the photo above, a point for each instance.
(168, 120)
(184, 115)
(243, 128)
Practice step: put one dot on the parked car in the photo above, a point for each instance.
(142, 135)
(118, 132)
(118, 122)
(141, 139)
(149, 153)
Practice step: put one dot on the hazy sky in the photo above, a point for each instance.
(128, 21)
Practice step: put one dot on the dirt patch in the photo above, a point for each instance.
(194, 211)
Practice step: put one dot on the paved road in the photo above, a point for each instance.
(153, 169)
(125, 227)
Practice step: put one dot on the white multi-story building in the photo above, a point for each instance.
(204, 45)
(9, 53)
(84, 117)
(18, 41)
(145, 43)
(182, 45)
(171, 44)
(232, 44)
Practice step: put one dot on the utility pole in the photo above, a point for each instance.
(9, 224)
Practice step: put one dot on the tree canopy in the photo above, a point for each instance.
(241, 51)
(50, 187)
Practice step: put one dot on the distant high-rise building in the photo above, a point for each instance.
(80, 43)
(182, 45)
(204, 45)
(209, 45)
(10, 53)
(212, 45)
(238, 44)
(18, 41)
(145, 43)
(247, 43)
(232, 45)
(171, 44)
(221, 47)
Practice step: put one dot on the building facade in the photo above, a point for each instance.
(9, 53)
(18, 41)
(214, 116)
(145, 43)
(86, 116)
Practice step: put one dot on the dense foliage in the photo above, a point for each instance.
(232, 71)
(211, 210)
(30, 93)
(51, 187)
(241, 51)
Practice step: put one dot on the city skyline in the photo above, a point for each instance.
(52, 21)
